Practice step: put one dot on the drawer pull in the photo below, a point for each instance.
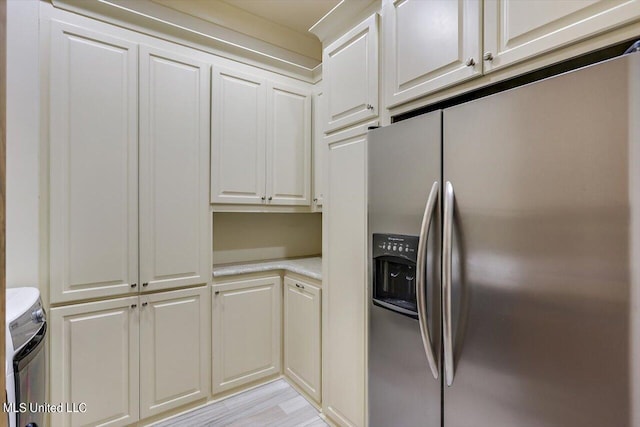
(299, 286)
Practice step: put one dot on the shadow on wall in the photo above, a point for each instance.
(242, 237)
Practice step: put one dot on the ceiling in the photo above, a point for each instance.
(298, 15)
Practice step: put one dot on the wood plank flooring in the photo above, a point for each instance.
(275, 404)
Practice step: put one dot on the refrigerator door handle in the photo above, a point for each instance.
(447, 248)
(420, 278)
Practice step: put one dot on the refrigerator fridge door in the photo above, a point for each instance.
(404, 173)
(540, 264)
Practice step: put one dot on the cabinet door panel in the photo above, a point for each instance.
(93, 165)
(99, 334)
(174, 352)
(319, 149)
(289, 146)
(302, 335)
(427, 45)
(350, 68)
(344, 287)
(521, 29)
(238, 137)
(246, 331)
(174, 170)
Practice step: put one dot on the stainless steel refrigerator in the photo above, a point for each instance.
(504, 246)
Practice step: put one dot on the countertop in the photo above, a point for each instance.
(310, 267)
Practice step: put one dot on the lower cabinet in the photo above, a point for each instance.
(130, 358)
(247, 321)
(94, 360)
(344, 285)
(174, 349)
(302, 351)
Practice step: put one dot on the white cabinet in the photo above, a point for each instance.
(344, 285)
(288, 145)
(515, 30)
(94, 359)
(429, 45)
(123, 209)
(247, 321)
(350, 76)
(319, 149)
(238, 138)
(174, 349)
(302, 351)
(93, 118)
(175, 239)
(130, 358)
(261, 141)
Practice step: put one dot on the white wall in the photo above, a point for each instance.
(23, 133)
(241, 237)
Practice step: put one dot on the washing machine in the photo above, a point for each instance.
(26, 362)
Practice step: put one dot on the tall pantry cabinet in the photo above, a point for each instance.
(129, 213)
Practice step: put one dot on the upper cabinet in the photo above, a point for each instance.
(288, 145)
(238, 137)
(261, 141)
(93, 119)
(516, 30)
(129, 167)
(350, 76)
(429, 45)
(432, 45)
(174, 170)
(319, 149)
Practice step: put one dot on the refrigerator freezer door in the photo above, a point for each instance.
(404, 164)
(541, 266)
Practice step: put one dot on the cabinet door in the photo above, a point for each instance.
(288, 145)
(344, 289)
(350, 76)
(174, 349)
(515, 30)
(93, 165)
(319, 149)
(429, 45)
(94, 360)
(246, 331)
(302, 335)
(238, 137)
(175, 237)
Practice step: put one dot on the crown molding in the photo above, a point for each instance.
(154, 19)
(341, 18)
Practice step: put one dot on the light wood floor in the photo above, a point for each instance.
(275, 404)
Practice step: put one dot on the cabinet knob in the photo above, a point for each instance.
(270, 198)
(488, 56)
(263, 198)
(315, 200)
(470, 62)
(145, 284)
(369, 107)
(216, 293)
(133, 285)
(144, 304)
(134, 305)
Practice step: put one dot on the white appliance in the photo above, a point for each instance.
(26, 328)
